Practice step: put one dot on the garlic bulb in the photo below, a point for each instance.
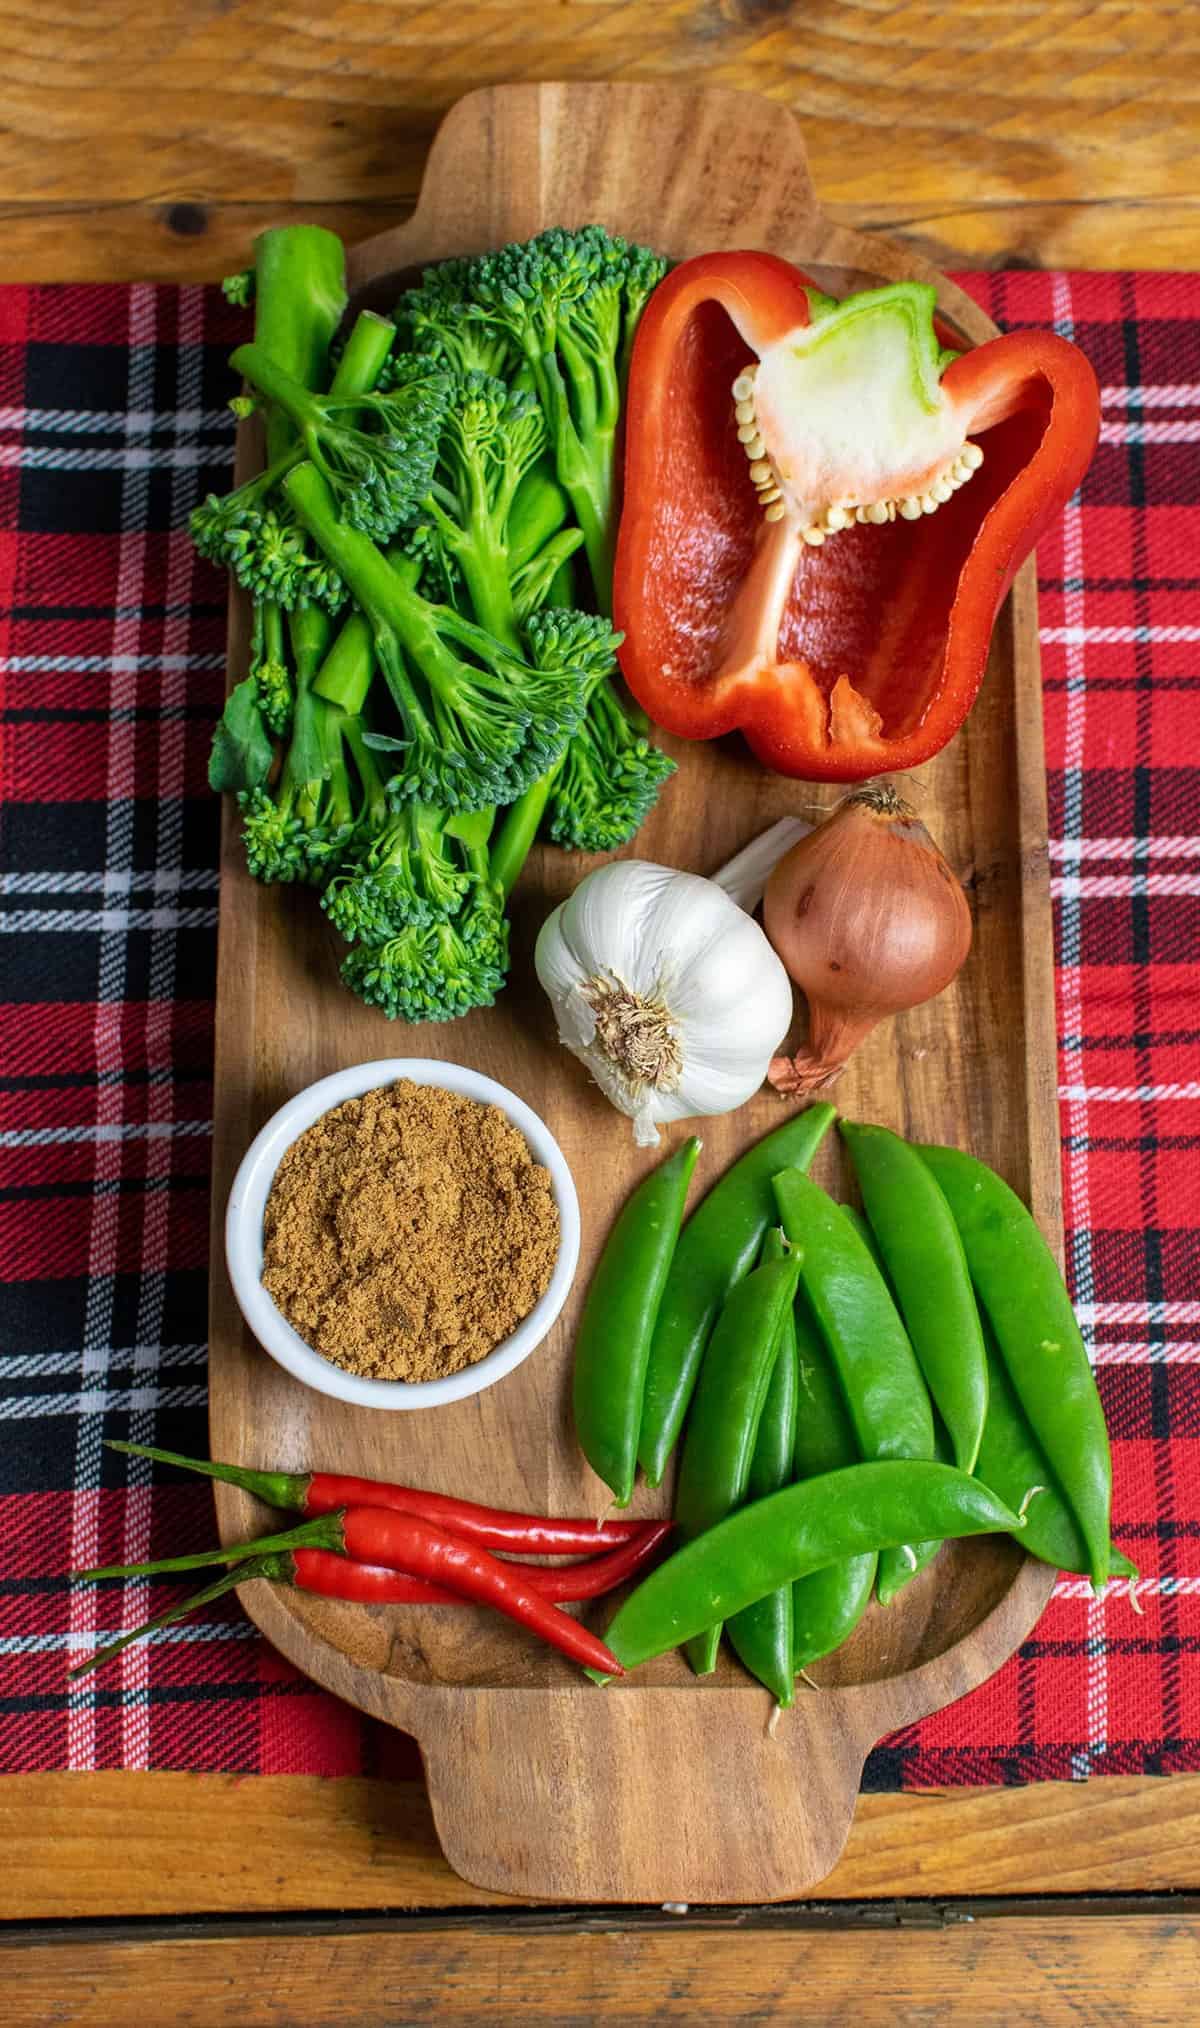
(666, 989)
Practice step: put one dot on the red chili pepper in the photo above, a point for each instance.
(401, 1542)
(489, 1527)
(333, 1576)
(828, 583)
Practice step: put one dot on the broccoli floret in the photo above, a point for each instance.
(239, 289)
(378, 476)
(480, 721)
(408, 878)
(261, 542)
(609, 779)
(491, 437)
(436, 973)
(440, 321)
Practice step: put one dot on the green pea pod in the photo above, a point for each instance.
(862, 1226)
(927, 1269)
(899, 1567)
(762, 1635)
(722, 1429)
(825, 1439)
(613, 1340)
(791, 1535)
(887, 1398)
(717, 1247)
(1022, 1292)
(827, 1606)
(900, 1570)
(1012, 1463)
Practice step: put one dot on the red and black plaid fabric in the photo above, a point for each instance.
(112, 424)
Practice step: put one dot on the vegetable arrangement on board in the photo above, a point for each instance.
(824, 505)
(852, 1391)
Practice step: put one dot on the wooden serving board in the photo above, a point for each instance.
(663, 1788)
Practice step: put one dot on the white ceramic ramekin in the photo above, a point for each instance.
(244, 1223)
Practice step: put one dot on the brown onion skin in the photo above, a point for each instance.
(869, 920)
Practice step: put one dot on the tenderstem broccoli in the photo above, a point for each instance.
(251, 531)
(378, 476)
(569, 303)
(440, 493)
(480, 722)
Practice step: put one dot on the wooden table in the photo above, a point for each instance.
(152, 141)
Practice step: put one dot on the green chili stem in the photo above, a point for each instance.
(275, 1489)
(324, 1531)
(264, 1566)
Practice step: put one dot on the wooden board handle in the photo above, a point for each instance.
(650, 1795)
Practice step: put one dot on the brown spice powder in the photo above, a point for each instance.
(408, 1232)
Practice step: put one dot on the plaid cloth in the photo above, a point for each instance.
(112, 425)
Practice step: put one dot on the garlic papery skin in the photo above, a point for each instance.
(666, 989)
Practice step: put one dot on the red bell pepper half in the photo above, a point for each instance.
(824, 508)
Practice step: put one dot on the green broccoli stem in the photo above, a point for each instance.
(271, 648)
(384, 586)
(307, 765)
(584, 466)
(375, 810)
(299, 301)
(288, 396)
(517, 835)
(539, 509)
(365, 355)
(345, 674)
(483, 562)
(518, 832)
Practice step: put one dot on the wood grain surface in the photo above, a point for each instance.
(150, 141)
(218, 1844)
(1029, 1971)
(539, 1786)
(144, 140)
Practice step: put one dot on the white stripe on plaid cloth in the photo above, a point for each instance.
(105, 921)
(109, 1041)
(82, 422)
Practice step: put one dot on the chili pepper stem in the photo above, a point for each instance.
(323, 1532)
(266, 1566)
(278, 1489)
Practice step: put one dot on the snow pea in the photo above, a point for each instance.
(1022, 1292)
(793, 1533)
(927, 1269)
(862, 1226)
(887, 1398)
(619, 1311)
(718, 1245)
(723, 1426)
(1011, 1461)
(762, 1635)
(827, 1606)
